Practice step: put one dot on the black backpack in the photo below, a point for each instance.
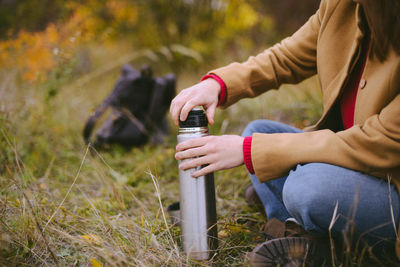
(139, 105)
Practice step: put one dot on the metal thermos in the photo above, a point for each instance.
(197, 197)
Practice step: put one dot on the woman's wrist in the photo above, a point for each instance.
(222, 93)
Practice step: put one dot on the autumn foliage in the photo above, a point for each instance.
(37, 53)
(205, 26)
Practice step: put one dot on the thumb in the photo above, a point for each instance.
(210, 112)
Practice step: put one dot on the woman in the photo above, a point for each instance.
(341, 174)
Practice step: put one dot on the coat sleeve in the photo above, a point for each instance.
(373, 147)
(290, 61)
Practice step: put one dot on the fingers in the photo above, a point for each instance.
(195, 162)
(196, 142)
(174, 110)
(196, 152)
(176, 106)
(185, 110)
(204, 161)
(181, 105)
(191, 153)
(204, 171)
(203, 94)
(212, 152)
(210, 112)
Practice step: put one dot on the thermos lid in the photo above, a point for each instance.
(196, 118)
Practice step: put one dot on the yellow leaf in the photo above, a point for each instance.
(93, 239)
(95, 263)
(43, 186)
(223, 234)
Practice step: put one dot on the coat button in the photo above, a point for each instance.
(362, 83)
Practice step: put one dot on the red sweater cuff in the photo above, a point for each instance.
(247, 154)
(223, 93)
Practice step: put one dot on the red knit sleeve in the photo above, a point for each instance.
(247, 154)
(223, 93)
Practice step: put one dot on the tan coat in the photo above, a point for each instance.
(327, 45)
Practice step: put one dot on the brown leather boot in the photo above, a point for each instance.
(289, 245)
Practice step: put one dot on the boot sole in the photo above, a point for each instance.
(287, 252)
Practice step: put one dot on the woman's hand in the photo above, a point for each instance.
(203, 94)
(216, 152)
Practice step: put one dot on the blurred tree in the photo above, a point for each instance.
(29, 15)
(289, 15)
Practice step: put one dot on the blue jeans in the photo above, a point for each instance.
(311, 193)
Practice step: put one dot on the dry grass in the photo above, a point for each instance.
(113, 216)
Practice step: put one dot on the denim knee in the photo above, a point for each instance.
(268, 126)
(307, 200)
(253, 127)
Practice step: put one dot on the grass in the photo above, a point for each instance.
(63, 203)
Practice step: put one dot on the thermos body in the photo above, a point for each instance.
(197, 205)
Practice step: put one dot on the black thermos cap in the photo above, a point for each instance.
(196, 118)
